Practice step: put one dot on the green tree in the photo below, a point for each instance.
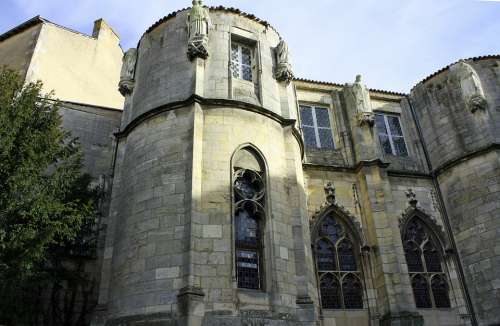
(47, 207)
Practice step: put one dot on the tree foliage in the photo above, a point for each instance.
(47, 207)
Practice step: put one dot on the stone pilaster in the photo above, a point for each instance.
(394, 294)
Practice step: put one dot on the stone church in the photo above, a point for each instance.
(240, 194)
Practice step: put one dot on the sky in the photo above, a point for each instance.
(393, 43)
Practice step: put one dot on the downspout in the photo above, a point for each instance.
(446, 219)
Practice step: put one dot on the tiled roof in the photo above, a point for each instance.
(492, 56)
(219, 8)
(340, 85)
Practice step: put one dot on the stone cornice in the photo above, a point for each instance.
(464, 158)
(210, 103)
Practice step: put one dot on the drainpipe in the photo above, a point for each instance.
(446, 219)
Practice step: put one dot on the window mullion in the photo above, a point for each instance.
(240, 57)
(316, 132)
(389, 134)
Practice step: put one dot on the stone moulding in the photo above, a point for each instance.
(414, 211)
(330, 206)
(167, 319)
(214, 103)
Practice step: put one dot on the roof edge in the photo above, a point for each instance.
(22, 27)
(374, 90)
(214, 8)
(478, 58)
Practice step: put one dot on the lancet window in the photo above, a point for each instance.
(425, 265)
(337, 266)
(249, 196)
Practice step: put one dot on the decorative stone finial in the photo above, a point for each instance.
(198, 23)
(470, 85)
(126, 84)
(283, 66)
(358, 79)
(412, 197)
(330, 193)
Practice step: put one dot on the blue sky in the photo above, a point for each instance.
(392, 43)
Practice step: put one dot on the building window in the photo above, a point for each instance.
(337, 266)
(249, 217)
(424, 261)
(315, 123)
(390, 134)
(241, 61)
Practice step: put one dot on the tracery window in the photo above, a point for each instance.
(315, 124)
(390, 134)
(249, 218)
(337, 266)
(424, 261)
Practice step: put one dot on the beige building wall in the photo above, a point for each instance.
(79, 68)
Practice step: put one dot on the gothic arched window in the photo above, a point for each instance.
(425, 265)
(337, 266)
(249, 196)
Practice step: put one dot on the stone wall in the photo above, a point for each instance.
(465, 161)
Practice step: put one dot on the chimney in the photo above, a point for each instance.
(103, 30)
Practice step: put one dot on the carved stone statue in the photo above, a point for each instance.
(283, 66)
(126, 84)
(470, 85)
(361, 97)
(198, 24)
(330, 193)
(412, 197)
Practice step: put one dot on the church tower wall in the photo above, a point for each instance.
(457, 109)
(189, 111)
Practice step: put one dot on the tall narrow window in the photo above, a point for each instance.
(241, 61)
(424, 260)
(337, 266)
(315, 123)
(249, 218)
(390, 134)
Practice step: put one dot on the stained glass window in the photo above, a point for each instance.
(336, 263)
(413, 257)
(432, 258)
(325, 256)
(425, 266)
(352, 291)
(347, 262)
(439, 288)
(330, 292)
(315, 124)
(241, 61)
(249, 217)
(390, 134)
(421, 291)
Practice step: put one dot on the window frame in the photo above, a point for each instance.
(261, 215)
(316, 127)
(425, 273)
(389, 134)
(240, 64)
(346, 234)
